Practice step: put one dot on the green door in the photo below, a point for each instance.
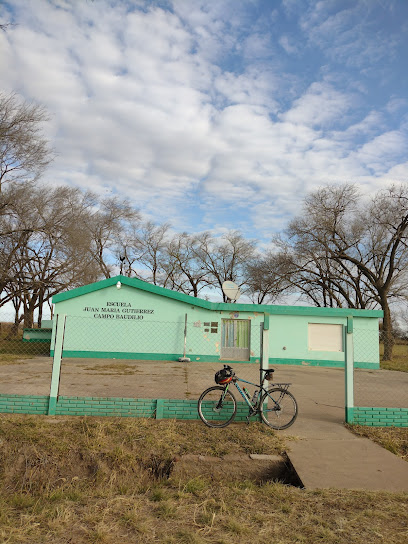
(235, 339)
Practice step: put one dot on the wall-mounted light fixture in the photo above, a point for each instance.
(118, 285)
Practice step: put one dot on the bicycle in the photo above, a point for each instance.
(217, 406)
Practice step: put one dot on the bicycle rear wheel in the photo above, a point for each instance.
(217, 407)
(278, 408)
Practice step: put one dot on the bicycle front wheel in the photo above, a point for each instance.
(217, 407)
(278, 408)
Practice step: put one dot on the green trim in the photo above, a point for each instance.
(366, 365)
(204, 358)
(159, 408)
(316, 362)
(37, 335)
(48, 329)
(350, 324)
(266, 322)
(149, 356)
(52, 406)
(349, 372)
(214, 306)
(44, 340)
(349, 415)
(56, 363)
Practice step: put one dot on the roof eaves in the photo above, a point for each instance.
(215, 306)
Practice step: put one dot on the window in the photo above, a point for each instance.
(213, 327)
(325, 337)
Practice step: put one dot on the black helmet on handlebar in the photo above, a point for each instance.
(224, 376)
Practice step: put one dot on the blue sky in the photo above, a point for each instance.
(215, 114)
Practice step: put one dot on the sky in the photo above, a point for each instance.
(217, 114)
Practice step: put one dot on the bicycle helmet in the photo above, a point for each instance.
(269, 374)
(223, 376)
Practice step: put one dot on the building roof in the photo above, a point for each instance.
(214, 306)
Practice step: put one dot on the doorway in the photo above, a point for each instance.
(235, 339)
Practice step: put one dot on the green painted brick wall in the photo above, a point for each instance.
(381, 417)
(24, 404)
(109, 406)
(169, 409)
(187, 409)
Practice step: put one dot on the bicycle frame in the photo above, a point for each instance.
(261, 387)
(281, 414)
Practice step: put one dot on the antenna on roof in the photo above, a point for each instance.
(122, 259)
(231, 290)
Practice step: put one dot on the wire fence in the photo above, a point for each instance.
(108, 357)
(25, 361)
(369, 388)
(141, 359)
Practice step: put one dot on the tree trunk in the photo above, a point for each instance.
(40, 307)
(387, 334)
(14, 327)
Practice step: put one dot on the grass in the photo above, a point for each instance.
(394, 439)
(10, 359)
(399, 359)
(91, 480)
(13, 345)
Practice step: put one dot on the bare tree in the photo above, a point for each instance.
(24, 151)
(108, 227)
(51, 248)
(225, 259)
(269, 276)
(185, 269)
(17, 222)
(145, 253)
(364, 243)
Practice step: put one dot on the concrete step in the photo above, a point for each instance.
(347, 463)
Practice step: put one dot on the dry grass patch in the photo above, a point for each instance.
(91, 480)
(9, 359)
(394, 439)
(399, 359)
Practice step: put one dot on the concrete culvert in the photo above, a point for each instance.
(258, 468)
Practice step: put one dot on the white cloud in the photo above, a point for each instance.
(193, 108)
(379, 154)
(347, 34)
(289, 45)
(320, 106)
(395, 104)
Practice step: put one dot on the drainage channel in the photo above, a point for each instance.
(258, 468)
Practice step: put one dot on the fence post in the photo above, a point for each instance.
(265, 343)
(159, 408)
(264, 348)
(349, 371)
(56, 363)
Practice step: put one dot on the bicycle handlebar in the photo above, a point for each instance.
(228, 367)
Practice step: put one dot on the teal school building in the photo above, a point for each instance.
(127, 318)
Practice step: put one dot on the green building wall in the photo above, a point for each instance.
(144, 321)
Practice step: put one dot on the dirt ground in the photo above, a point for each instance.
(172, 379)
